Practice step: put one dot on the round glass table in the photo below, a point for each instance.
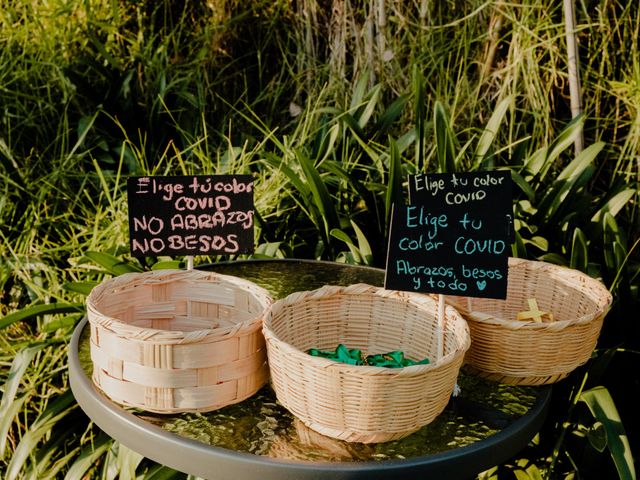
(484, 425)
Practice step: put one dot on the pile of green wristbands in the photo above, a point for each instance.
(395, 359)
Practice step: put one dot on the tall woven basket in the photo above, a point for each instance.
(525, 352)
(171, 341)
(362, 403)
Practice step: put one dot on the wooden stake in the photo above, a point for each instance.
(575, 89)
(440, 327)
(189, 262)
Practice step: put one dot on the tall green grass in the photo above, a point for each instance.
(329, 105)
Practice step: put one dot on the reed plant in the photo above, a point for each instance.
(329, 104)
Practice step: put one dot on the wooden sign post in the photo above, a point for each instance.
(454, 236)
(190, 215)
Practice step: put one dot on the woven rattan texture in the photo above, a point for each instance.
(362, 403)
(171, 341)
(528, 353)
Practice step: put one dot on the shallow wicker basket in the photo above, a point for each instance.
(362, 403)
(525, 352)
(171, 341)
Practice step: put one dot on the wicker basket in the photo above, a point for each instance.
(525, 352)
(173, 341)
(362, 403)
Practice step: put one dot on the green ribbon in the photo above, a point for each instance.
(341, 354)
(395, 359)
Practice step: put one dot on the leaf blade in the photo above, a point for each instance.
(490, 131)
(38, 310)
(602, 407)
(445, 150)
(112, 264)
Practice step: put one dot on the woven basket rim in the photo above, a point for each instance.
(325, 291)
(358, 289)
(367, 370)
(261, 294)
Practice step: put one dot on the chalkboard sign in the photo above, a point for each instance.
(454, 236)
(190, 215)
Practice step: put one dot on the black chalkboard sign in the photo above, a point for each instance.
(454, 236)
(190, 215)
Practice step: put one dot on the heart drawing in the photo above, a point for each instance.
(481, 284)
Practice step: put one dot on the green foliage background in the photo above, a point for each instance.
(329, 105)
